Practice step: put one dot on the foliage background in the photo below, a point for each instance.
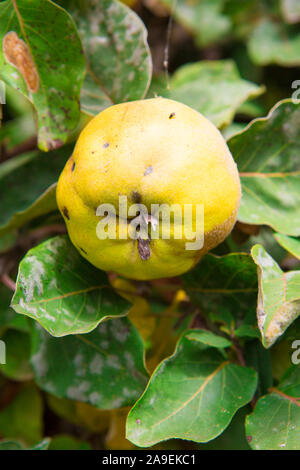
(198, 362)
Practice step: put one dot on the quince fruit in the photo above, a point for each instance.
(150, 152)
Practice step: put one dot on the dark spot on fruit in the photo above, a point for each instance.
(73, 166)
(105, 145)
(136, 197)
(81, 249)
(144, 249)
(66, 213)
(172, 115)
(93, 151)
(148, 170)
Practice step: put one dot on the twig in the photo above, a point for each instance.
(8, 282)
(47, 230)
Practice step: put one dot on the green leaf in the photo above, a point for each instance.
(204, 19)
(275, 421)
(233, 438)
(15, 445)
(49, 67)
(66, 442)
(17, 365)
(209, 338)
(117, 53)
(191, 395)
(11, 445)
(104, 368)
(27, 187)
(278, 302)
(214, 88)
(291, 10)
(232, 129)
(62, 291)
(273, 42)
(224, 286)
(22, 418)
(292, 245)
(267, 153)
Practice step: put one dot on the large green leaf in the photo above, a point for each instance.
(117, 53)
(27, 186)
(289, 243)
(273, 42)
(204, 18)
(275, 421)
(225, 286)
(214, 88)
(267, 155)
(22, 418)
(104, 368)
(191, 395)
(41, 56)
(278, 302)
(62, 291)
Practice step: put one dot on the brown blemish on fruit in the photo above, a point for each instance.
(144, 249)
(73, 166)
(136, 197)
(148, 170)
(172, 115)
(105, 145)
(66, 213)
(17, 54)
(81, 249)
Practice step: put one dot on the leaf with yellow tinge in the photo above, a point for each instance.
(115, 439)
(191, 395)
(92, 418)
(278, 302)
(267, 155)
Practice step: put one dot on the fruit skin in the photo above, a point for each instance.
(152, 151)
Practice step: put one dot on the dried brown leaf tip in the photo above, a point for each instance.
(16, 53)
